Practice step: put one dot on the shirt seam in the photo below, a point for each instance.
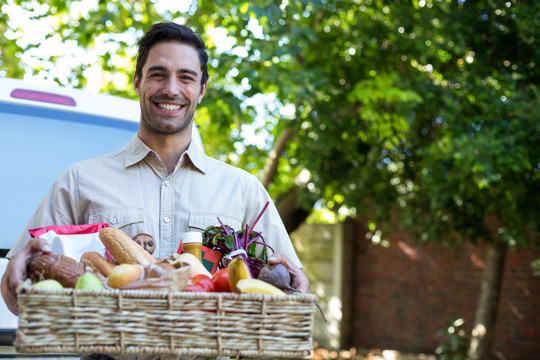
(249, 205)
(77, 196)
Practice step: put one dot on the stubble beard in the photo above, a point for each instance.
(165, 126)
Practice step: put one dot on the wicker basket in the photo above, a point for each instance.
(125, 322)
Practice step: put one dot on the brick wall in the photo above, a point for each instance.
(402, 295)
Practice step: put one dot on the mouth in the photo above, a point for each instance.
(169, 107)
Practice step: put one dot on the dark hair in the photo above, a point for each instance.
(169, 31)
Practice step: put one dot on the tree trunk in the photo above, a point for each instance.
(270, 168)
(289, 209)
(488, 303)
(288, 204)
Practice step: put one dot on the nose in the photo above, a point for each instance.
(170, 87)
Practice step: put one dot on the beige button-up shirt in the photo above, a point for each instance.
(131, 190)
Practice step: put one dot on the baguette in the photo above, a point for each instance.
(97, 262)
(123, 248)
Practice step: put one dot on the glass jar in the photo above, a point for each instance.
(192, 243)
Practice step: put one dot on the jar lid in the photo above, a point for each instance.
(192, 237)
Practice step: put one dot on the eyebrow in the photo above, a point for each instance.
(163, 68)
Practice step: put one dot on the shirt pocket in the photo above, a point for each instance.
(200, 221)
(129, 220)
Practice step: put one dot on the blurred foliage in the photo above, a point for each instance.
(535, 264)
(454, 343)
(425, 106)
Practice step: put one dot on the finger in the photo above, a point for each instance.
(300, 280)
(16, 271)
(280, 258)
(37, 246)
(10, 282)
(33, 248)
(9, 295)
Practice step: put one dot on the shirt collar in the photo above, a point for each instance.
(196, 156)
(137, 150)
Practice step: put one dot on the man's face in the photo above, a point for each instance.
(170, 88)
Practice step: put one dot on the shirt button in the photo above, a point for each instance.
(167, 183)
(113, 221)
(167, 220)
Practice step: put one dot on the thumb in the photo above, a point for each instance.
(38, 245)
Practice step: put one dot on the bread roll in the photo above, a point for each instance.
(124, 274)
(97, 262)
(123, 248)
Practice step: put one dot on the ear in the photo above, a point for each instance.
(203, 91)
(137, 85)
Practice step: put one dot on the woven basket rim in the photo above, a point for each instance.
(164, 294)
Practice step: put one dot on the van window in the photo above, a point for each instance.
(37, 144)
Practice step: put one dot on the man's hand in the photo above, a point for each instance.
(16, 271)
(299, 280)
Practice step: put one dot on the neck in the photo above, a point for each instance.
(168, 147)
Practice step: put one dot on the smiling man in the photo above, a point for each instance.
(160, 184)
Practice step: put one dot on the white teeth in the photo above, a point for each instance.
(169, 107)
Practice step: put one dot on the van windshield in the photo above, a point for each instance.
(37, 145)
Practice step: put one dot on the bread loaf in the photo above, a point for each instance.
(97, 262)
(58, 267)
(123, 248)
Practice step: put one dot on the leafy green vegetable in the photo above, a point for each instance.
(243, 243)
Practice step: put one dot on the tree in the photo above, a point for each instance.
(428, 109)
(425, 109)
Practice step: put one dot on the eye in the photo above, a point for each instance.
(187, 78)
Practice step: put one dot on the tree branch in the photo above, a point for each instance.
(270, 168)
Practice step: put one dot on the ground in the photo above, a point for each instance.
(321, 353)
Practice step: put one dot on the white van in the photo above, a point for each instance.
(43, 130)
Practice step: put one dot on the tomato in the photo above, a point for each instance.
(200, 283)
(221, 281)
